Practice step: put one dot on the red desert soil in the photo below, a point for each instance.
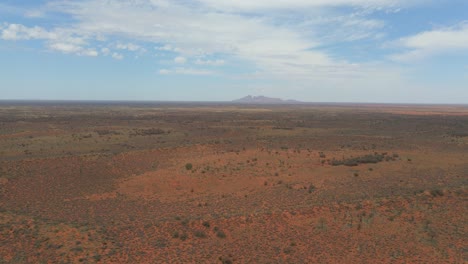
(233, 184)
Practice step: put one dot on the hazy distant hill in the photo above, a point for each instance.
(264, 100)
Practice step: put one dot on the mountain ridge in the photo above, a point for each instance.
(264, 100)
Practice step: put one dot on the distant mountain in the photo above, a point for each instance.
(263, 100)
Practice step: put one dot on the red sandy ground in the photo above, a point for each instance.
(241, 202)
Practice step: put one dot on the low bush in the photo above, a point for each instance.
(200, 234)
(367, 159)
(220, 234)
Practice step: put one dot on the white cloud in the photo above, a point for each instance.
(164, 71)
(344, 28)
(73, 49)
(90, 53)
(65, 47)
(35, 13)
(180, 60)
(186, 71)
(190, 71)
(167, 47)
(252, 5)
(105, 51)
(164, 48)
(117, 56)
(18, 10)
(434, 42)
(210, 62)
(269, 44)
(58, 40)
(287, 43)
(130, 47)
(20, 32)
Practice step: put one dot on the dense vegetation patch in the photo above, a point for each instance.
(366, 159)
(149, 132)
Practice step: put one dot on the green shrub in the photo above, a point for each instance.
(437, 192)
(188, 166)
(183, 237)
(221, 234)
(97, 257)
(366, 159)
(225, 260)
(200, 234)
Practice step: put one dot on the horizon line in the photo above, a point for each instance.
(285, 102)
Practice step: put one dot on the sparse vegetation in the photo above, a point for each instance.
(225, 260)
(200, 234)
(287, 250)
(367, 159)
(106, 132)
(112, 184)
(437, 192)
(220, 234)
(183, 236)
(148, 132)
(311, 188)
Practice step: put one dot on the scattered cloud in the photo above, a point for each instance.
(105, 51)
(167, 47)
(281, 49)
(286, 43)
(434, 42)
(34, 13)
(186, 71)
(90, 53)
(345, 28)
(130, 47)
(65, 47)
(315, 45)
(249, 5)
(57, 40)
(210, 62)
(20, 32)
(73, 49)
(164, 72)
(180, 60)
(117, 56)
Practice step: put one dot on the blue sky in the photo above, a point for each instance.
(391, 51)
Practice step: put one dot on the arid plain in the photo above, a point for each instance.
(231, 183)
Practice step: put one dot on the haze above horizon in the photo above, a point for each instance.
(382, 51)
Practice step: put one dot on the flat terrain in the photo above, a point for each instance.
(226, 183)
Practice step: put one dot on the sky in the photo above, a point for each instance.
(382, 51)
